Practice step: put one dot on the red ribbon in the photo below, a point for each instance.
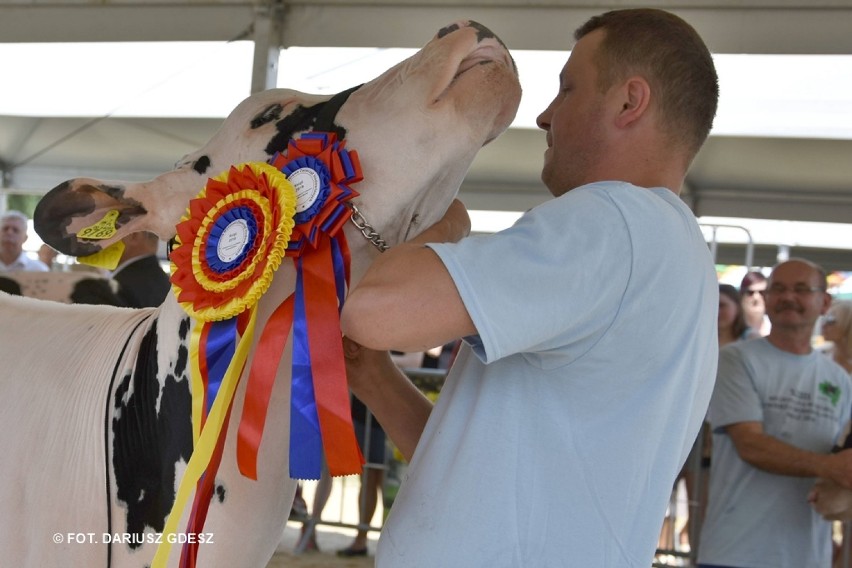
(328, 366)
(259, 387)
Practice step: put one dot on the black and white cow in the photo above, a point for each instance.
(95, 400)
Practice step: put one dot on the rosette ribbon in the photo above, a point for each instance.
(320, 169)
(233, 237)
(229, 243)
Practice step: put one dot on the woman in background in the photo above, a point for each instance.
(732, 318)
(754, 309)
(837, 328)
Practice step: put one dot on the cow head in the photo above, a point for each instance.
(416, 128)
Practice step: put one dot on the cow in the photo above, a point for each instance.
(96, 399)
(74, 287)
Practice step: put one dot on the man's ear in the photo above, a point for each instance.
(634, 100)
(826, 303)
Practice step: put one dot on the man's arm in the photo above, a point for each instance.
(770, 454)
(397, 404)
(407, 300)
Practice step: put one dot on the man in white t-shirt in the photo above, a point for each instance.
(13, 235)
(777, 411)
(590, 328)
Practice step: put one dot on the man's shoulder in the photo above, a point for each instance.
(746, 350)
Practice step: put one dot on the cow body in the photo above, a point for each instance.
(96, 400)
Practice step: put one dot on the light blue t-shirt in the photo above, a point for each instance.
(755, 518)
(558, 435)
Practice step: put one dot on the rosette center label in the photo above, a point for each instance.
(307, 184)
(233, 241)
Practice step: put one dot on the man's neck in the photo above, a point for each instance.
(793, 340)
(9, 257)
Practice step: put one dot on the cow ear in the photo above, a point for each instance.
(81, 217)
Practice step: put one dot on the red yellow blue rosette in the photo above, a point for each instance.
(229, 243)
(321, 170)
(233, 237)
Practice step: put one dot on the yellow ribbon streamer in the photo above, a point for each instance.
(202, 454)
(197, 381)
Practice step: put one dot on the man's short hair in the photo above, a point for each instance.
(672, 57)
(12, 214)
(822, 275)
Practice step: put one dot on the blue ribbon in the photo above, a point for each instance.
(221, 344)
(305, 437)
(339, 272)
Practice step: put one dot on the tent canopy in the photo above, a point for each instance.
(807, 179)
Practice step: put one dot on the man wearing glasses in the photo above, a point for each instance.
(777, 410)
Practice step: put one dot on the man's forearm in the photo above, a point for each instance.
(770, 454)
(398, 405)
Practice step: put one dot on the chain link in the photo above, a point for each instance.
(366, 229)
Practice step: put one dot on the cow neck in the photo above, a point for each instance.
(325, 123)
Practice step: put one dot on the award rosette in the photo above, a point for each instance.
(234, 236)
(321, 170)
(229, 243)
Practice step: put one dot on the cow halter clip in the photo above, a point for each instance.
(325, 122)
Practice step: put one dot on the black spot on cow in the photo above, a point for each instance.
(267, 115)
(152, 432)
(302, 119)
(202, 164)
(220, 493)
(445, 31)
(484, 33)
(183, 351)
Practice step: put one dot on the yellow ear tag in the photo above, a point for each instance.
(107, 258)
(103, 229)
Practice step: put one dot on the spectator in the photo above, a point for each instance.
(142, 282)
(754, 307)
(308, 538)
(837, 328)
(13, 235)
(371, 438)
(696, 471)
(565, 419)
(732, 323)
(47, 255)
(777, 409)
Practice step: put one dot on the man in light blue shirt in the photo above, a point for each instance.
(590, 328)
(776, 412)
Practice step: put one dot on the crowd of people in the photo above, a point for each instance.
(138, 281)
(598, 343)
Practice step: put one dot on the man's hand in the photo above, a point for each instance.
(838, 469)
(407, 300)
(451, 228)
(366, 368)
(831, 500)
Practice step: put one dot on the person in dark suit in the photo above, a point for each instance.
(142, 282)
